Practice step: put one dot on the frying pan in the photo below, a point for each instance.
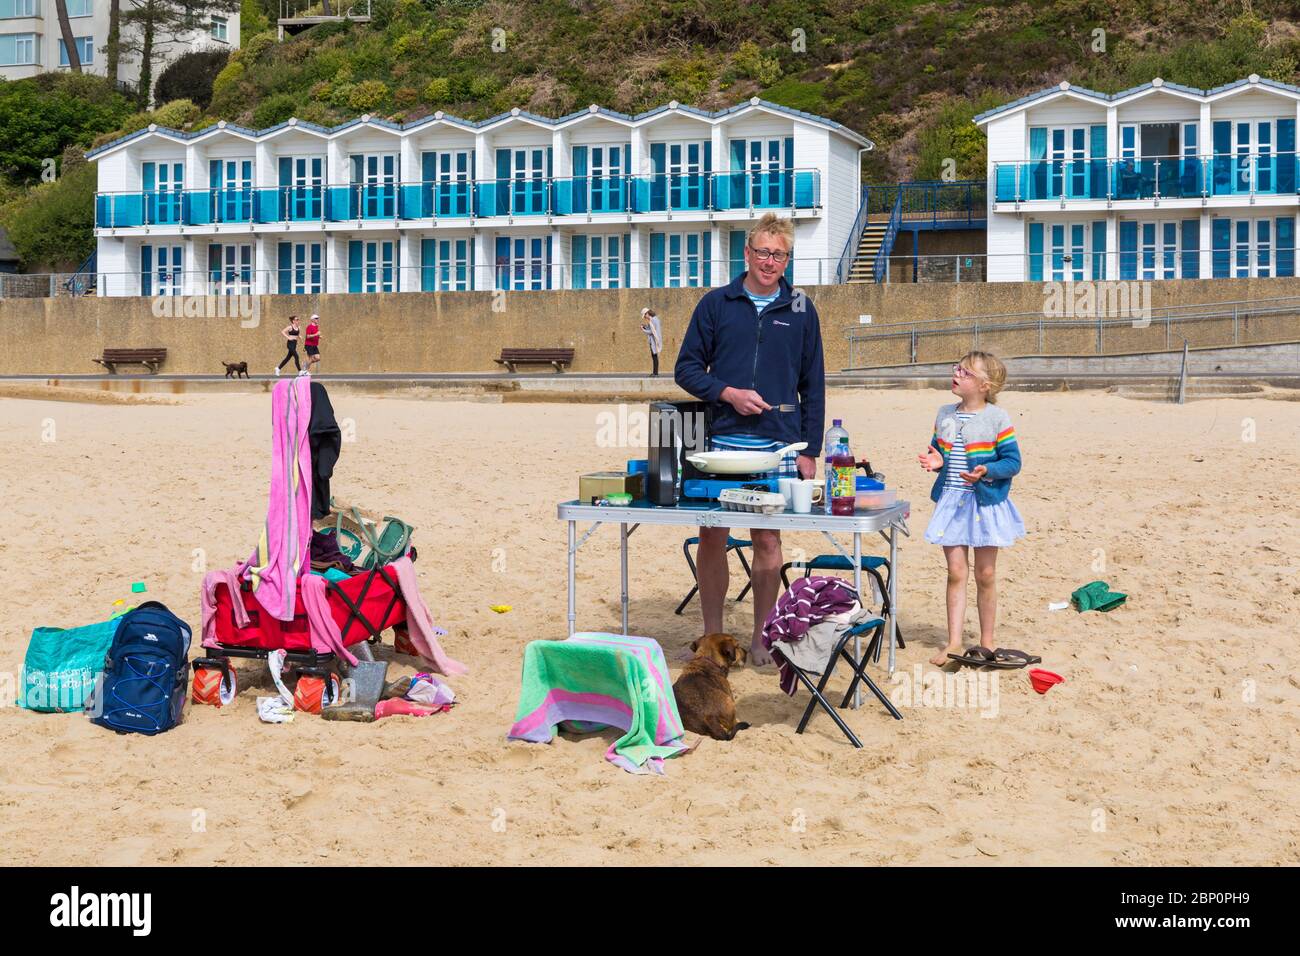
(741, 462)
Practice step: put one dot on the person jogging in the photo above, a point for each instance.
(311, 341)
(290, 333)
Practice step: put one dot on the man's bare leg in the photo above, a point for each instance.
(766, 577)
(713, 576)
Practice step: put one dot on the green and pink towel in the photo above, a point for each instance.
(593, 681)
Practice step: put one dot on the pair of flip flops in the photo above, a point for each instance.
(1004, 658)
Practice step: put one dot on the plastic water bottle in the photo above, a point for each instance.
(832, 441)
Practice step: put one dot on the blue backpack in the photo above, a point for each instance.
(146, 672)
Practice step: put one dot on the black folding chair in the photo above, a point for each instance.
(877, 626)
(733, 544)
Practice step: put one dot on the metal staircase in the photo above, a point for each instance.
(863, 268)
(83, 281)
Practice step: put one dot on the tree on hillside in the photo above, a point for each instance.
(69, 43)
(190, 76)
(113, 49)
(160, 21)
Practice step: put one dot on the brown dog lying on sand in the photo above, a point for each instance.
(703, 693)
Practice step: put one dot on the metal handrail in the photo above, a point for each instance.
(1182, 374)
(855, 237)
(1037, 321)
(1219, 310)
(880, 268)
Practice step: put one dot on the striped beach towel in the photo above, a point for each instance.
(593, 681)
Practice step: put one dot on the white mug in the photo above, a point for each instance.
(804, 494)
(786, 486)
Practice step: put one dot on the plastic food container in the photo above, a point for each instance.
(875, 500)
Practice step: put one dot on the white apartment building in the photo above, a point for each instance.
(31, 41)
(1158, 182)
(596, 199)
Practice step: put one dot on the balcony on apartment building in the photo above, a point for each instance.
(1159, 177)
(1157, 160)
(665, 193)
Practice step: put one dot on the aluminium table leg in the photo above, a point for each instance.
(573, 591)
(893, 595)
(857, 584)
(623, 569)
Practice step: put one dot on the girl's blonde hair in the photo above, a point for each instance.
(995, 373)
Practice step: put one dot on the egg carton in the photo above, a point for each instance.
(758, 502)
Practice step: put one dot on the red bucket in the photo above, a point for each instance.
(1043, 681)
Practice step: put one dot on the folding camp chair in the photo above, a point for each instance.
(877, 626)
(733, 544)
(871, 564)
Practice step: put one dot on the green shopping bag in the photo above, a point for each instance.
(62, 665)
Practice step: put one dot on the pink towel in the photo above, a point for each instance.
(283, 551)
(419, 622)
(325, 633)
(230, 578)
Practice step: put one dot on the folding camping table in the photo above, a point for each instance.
(888, 522)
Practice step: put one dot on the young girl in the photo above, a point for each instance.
(975, 452)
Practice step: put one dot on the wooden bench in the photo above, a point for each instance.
(149, 358)
(556, 357)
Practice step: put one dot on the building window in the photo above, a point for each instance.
(1067, 252)
(1159, 250)
(523, 263)
(446, 265)
(230, 269)
(372, 266)
(301, 271)
(11, 9)
(219, 30)
(600, 262)
(85, 50)
(1252, 248)
(80, 8)
(680, 259)
(161, 270)
(19, 49)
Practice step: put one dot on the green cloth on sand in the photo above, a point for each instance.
(1097, 596)
(602, 680)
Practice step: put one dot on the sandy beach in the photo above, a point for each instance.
(1173, 740)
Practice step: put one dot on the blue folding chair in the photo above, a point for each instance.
(877, 627)
(871, 564)
(733, 544)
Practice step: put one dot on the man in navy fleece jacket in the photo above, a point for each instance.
(752, 346)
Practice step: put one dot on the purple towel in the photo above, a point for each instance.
(807, 602)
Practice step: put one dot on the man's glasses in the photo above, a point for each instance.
(762, 255)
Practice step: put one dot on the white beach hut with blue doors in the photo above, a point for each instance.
(1158, 182)
(593, 200)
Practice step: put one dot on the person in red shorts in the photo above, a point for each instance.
(311, 341)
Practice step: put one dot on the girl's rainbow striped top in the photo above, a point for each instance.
(990, 440)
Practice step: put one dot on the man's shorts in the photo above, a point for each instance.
(788, 468)
(313, 350)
